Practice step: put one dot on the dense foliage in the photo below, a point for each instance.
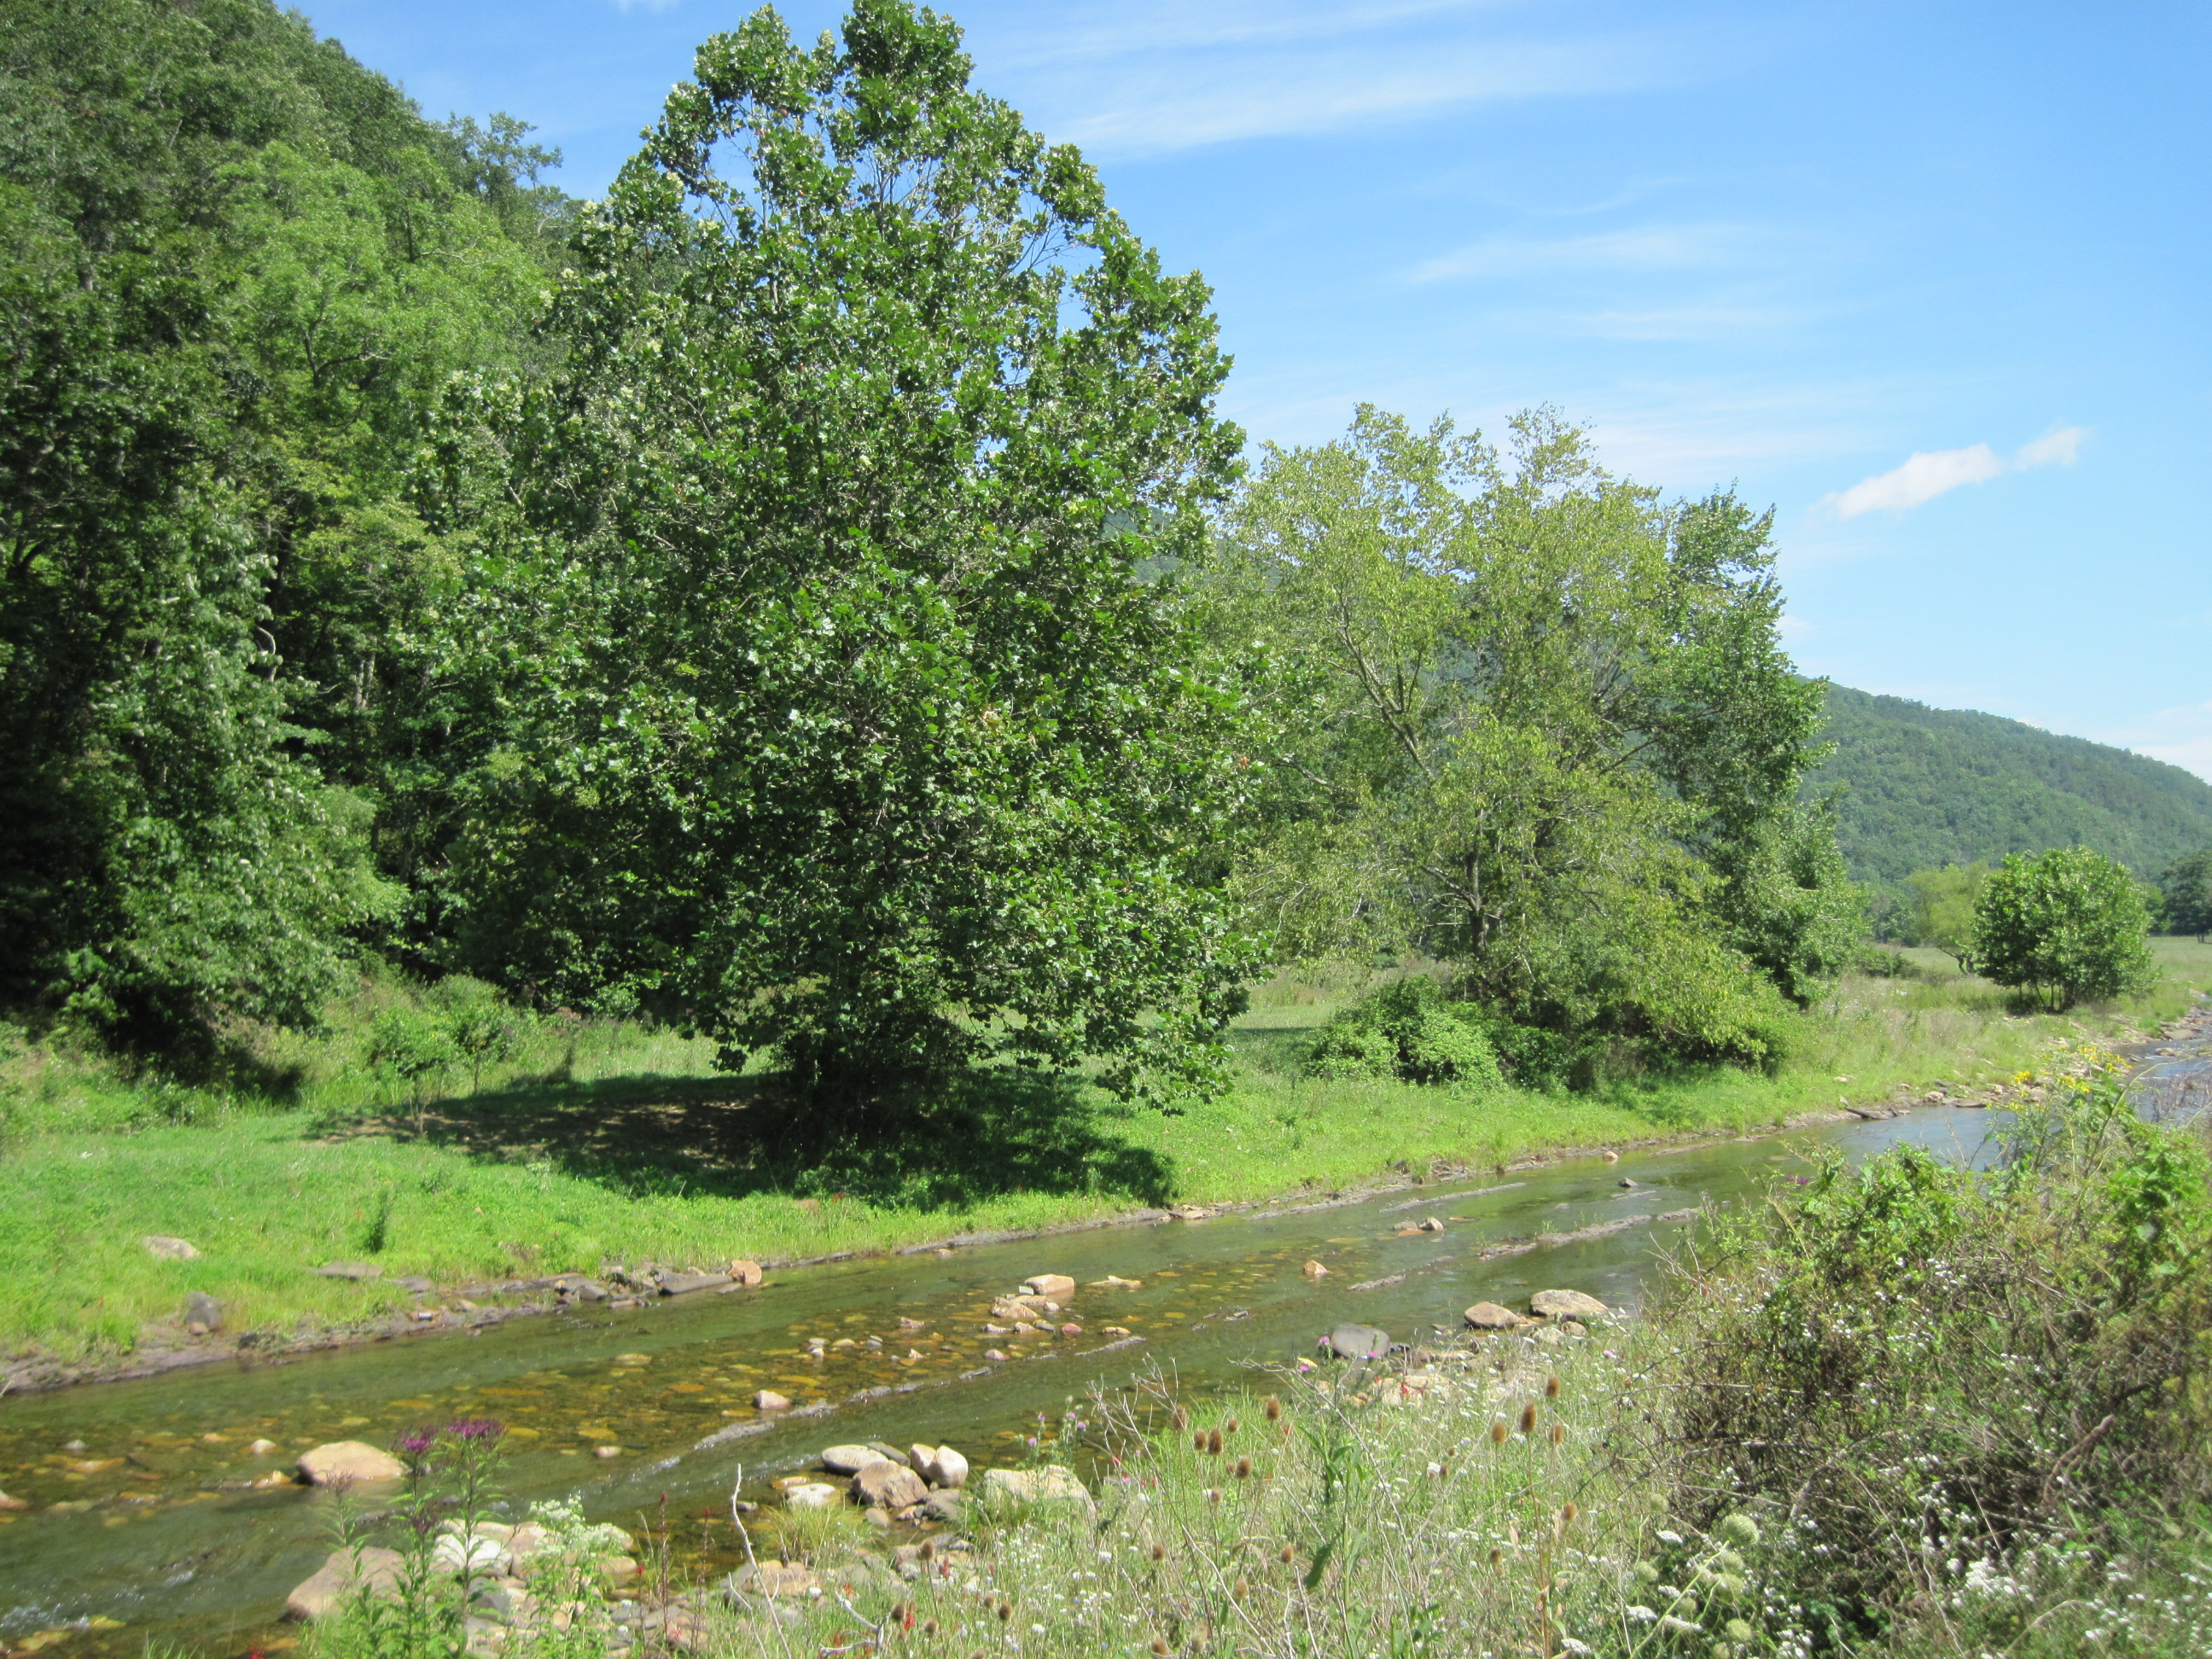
(1965, 1397)
(1943, 909)
(1537, 725)
(2185, 887)
(236, 267)
(1920, 788)
(837, 712)
(2069, 925)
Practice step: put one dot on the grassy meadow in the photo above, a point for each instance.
(594, 1142)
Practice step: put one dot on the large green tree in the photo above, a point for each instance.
(846, 713)
(1534, 723)
(2068, 925)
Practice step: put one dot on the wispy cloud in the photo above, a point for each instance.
(1651, 247)
(1935, 472)
(1151, 76)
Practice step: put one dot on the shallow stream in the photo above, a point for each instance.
(154, 1526)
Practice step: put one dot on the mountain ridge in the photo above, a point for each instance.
(1917, 787)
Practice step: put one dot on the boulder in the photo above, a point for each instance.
(1431, 1225)
(850, 1460)
(354, 1270)
(1314, 1270)
(346, 1461)
(887, 1485)
(262, 1448)
(891, 1452)
(162, 1247)
(774, 1578)
(1490, 1317)
(813, 1495)
(203, 1314)
(1049, 1285)
(1567, 1304)
(684, 1283)
(1357, 1342)
(1049, 1484)
(747, 1273)
(768, 1400)
(945, 1467)
(345, 1571)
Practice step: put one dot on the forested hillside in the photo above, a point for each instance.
(1922, 788)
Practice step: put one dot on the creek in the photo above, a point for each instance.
(153, 1527)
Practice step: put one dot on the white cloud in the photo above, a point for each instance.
(2060, 448)
(1935, 472)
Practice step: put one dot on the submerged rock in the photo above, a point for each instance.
(685, 1284)
(813, 1495)
(348, 1460)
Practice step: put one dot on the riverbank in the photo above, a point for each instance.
(627, 1158)
(1559, 1487)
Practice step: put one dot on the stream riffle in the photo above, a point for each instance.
(154, 1524)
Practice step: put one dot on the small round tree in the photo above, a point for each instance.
(2064, 926)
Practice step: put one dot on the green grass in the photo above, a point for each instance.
(599, 1142)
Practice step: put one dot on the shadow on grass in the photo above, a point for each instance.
(987, 1135)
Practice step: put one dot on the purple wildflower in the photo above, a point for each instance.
(471, 1429)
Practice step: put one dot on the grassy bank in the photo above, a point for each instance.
(584, 1143)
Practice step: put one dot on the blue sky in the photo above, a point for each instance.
(1929, 279)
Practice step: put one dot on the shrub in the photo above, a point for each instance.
(1946, 1381)
(1405, 1031)
(2068, 925)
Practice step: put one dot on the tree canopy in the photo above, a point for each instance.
(838, 711)
(1535, 724)
(2068, 925)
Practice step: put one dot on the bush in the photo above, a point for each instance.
(1406, 1030)
(1947, 1384)
(2068, 925)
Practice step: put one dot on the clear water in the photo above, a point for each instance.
(153, 1524)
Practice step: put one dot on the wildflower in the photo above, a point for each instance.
(471, 1429)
